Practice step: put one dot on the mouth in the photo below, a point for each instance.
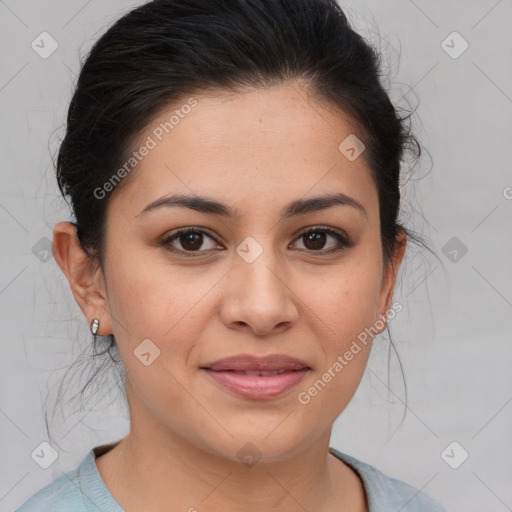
(257, 378)
(255, 373)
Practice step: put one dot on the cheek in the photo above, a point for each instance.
(154, 304)
(346, 304)
(342, 318)
(157, 302)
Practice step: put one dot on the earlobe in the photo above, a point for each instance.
(84, 276)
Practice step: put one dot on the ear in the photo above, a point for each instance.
(84, 275)
(390, 274)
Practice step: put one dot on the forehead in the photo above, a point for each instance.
(253, 150)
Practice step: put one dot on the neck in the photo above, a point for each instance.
(153, 468)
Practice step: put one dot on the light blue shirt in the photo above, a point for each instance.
(83, 490)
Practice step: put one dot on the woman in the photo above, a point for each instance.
(233, 168)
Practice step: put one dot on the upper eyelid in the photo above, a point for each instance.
(194, 229)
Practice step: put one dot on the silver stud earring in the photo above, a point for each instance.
(94, 326)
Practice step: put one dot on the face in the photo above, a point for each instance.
(284, 276)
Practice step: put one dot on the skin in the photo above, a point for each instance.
(256, 152)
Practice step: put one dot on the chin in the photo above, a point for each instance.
(262, 443)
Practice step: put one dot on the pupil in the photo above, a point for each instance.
(190, 238)
(315, 238)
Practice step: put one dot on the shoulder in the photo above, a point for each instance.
(387, 494)
(61, 495)
(64, 494)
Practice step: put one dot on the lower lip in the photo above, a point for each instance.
(256, 386)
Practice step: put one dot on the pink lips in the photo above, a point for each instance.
(257, 377)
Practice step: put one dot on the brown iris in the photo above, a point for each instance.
(317, 240)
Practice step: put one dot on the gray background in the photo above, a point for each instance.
(453, 335)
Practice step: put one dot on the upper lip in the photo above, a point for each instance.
(251, 363)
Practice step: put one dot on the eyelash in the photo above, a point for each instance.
(344, 242)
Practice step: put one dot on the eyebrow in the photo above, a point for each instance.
(210, 206)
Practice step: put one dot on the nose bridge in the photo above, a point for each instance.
(258, 266)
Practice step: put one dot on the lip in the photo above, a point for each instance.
(247, 362)
(229, 373)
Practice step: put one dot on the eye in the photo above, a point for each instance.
(190, 239)
(315, 239)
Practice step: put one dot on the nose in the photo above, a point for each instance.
(258, 297)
